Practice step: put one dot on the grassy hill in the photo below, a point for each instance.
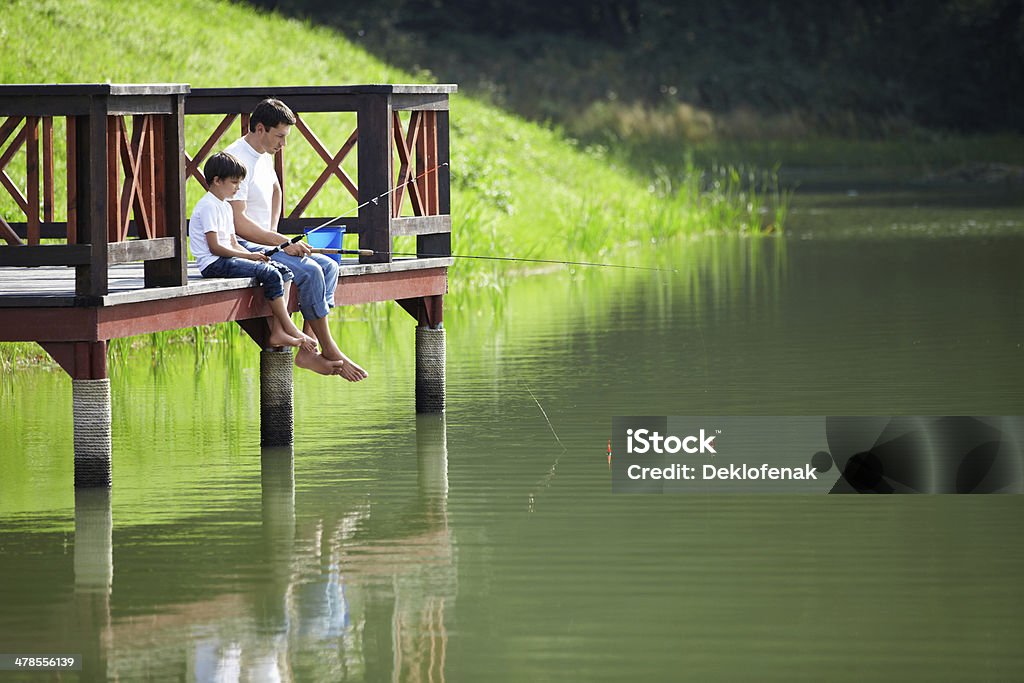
(517, 187)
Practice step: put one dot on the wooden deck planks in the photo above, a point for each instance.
(39, 304)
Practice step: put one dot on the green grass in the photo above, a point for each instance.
(518, 188)
(517, 181)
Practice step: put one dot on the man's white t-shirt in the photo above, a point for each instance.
(257, 188)
(210, 215)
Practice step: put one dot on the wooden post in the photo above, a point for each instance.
(48, 190)
(32, 179)
(114, 227)
(440, 243)
(71, 133)
(375, 176)
(171, 272)
(91, 198)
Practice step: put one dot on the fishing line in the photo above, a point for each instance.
(544, 481)
(545, 414)
(531, 260)
(371, 252)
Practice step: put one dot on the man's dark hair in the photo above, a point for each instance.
(223, 165)
(271, 113)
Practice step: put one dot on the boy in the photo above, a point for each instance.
(211, 235)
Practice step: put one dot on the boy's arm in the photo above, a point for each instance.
(247, 229)
(231, 250)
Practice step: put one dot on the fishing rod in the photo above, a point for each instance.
(374, 201)
(371, 252)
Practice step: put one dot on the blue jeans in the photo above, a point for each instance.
(316, 277)
(271, 275)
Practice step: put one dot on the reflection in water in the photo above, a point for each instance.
(347, 592)
(94, 576)
(340, 564)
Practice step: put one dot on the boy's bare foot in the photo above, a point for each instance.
(317, 363)
(284, 339)
(308, 342)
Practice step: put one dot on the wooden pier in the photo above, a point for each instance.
(117, 265)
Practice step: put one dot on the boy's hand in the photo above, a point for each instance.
(258, 256)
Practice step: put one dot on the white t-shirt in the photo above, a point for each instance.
(257, 189)
(210, 215)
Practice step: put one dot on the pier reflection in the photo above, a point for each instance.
(376, 582)
(330, 584)
(94, 577)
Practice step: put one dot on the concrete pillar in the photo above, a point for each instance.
(276, 398)
(91, 409)
(430, 370)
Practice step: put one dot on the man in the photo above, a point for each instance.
(257, 208)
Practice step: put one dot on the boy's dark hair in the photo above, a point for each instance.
(223, 165)
(271, 113)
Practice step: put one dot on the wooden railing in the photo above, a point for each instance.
(127, 169)
(120, 160)
(395, 163)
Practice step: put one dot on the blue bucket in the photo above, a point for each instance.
(327, 238)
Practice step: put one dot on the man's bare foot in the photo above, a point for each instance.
(284, 339)
(350, 371)
(317, 363)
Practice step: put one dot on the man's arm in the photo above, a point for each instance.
(275, 205)
(247, 229)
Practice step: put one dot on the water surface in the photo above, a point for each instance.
(487, 545)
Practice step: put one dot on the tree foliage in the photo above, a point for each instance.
(956, 64)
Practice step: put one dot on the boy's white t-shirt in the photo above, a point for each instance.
(257, 188)
(210, 215)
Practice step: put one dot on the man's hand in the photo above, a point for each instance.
(258, 256)
(299, 249)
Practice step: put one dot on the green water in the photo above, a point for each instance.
(487, 546)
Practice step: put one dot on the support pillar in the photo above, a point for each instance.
(276, 398)
(430, 351)
(91, 405)
(86, 363)
(430, 370)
